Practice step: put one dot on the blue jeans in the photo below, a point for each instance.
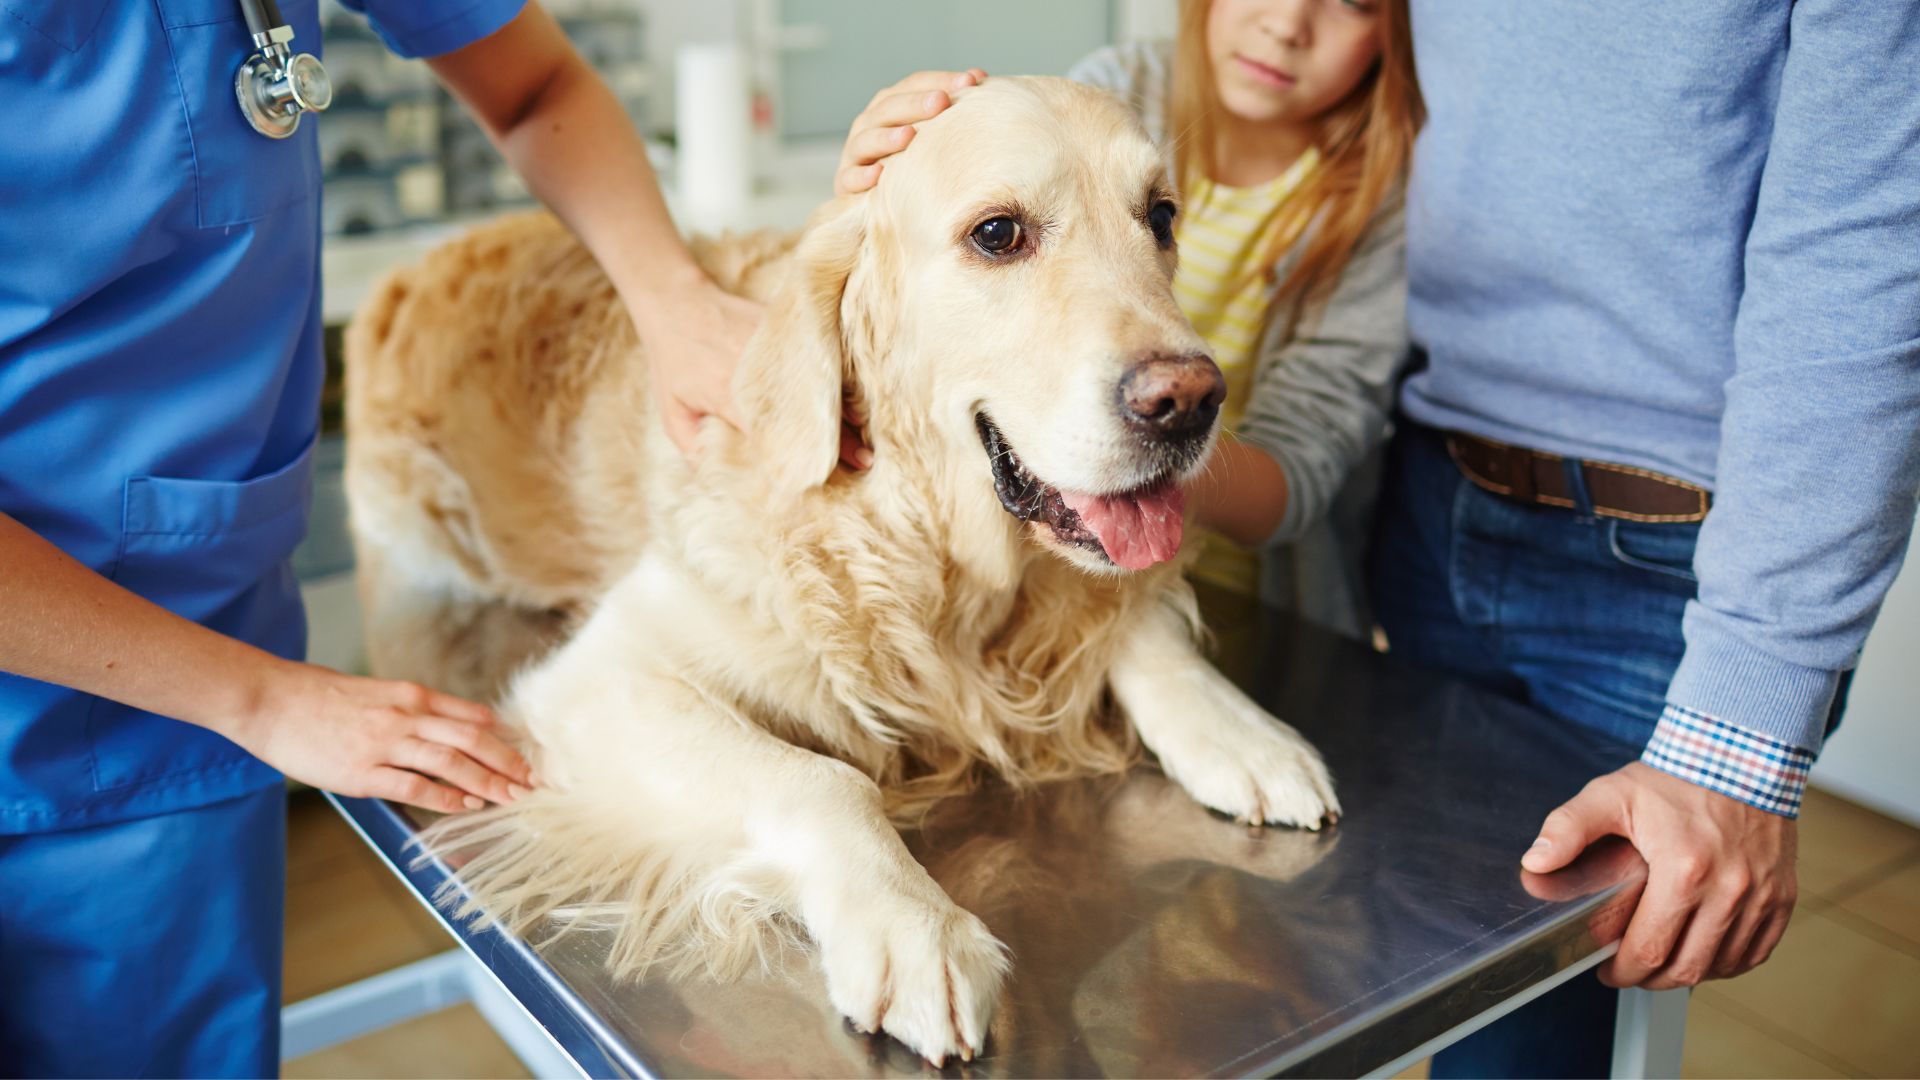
(1575, 613)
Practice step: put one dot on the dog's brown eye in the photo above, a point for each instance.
(1160, 220)
(997, 236)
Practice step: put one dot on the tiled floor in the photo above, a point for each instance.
(1841, 996)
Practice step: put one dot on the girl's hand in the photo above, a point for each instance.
(884, 128)
(856, 453)
(881, 130)
(694, 336)
(378, 738)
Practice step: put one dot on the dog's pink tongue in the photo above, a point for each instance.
(1137, 529)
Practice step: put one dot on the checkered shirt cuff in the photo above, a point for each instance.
(1730, 760)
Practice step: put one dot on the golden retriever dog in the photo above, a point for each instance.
(736, 672)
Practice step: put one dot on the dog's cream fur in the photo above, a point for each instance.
(744, 668)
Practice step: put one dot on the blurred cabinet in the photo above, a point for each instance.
(395, 148)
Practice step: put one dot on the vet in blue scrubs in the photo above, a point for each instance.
(160, 376)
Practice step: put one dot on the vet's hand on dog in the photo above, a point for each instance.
(1720, 875)
(381, 738)
(885, 126)
(694, 337)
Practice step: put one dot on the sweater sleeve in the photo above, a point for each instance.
(1819, 457)
(1320, 401)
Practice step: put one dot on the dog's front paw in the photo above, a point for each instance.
(1248, 765)
(926, 974)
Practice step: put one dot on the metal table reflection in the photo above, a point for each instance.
(1152, 938)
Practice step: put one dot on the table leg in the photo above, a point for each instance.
(1648, 1032)
(396, 996)
(373, 1003)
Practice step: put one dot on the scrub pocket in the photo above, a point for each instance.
(67, 23)
(192, 543)
(239, 174)
(216, 552)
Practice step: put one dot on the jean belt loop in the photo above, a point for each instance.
(1577, 487)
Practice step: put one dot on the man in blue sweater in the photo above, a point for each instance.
(1656, 466)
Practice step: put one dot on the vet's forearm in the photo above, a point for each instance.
(562, 129)
(580, 153)
(1242, 494)
(65, 624)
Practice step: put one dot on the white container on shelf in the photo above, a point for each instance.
(713, 125)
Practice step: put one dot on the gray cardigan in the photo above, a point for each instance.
(1321, 398)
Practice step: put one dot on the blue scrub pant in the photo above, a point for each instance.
(148, 947)
(1579, 615)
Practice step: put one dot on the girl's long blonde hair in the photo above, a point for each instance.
(1365, 144)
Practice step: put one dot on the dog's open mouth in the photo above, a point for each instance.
(1133, 529)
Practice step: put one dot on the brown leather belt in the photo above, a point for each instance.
(1535, 476)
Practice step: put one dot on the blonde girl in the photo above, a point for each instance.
(1290, 125)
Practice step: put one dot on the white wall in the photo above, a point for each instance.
(1147, 20)
(859, 46)
(670, 23)
(1875, 756)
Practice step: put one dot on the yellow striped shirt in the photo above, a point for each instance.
(1222, 287)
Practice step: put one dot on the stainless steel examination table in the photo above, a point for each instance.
(1150, 937)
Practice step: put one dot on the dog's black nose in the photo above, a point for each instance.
(1172, 396)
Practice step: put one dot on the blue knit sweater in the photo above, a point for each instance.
(1686, 236)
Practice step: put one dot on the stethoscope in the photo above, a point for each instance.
(277, 86)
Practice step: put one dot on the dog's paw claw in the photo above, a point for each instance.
(1265, 774)
(929, 978)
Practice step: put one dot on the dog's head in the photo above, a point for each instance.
(1002, 305)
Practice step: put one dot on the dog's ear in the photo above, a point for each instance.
(789, 383)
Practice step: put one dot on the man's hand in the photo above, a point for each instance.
(694, 337)
(1720, 878)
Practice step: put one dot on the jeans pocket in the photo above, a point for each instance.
(1665, 549)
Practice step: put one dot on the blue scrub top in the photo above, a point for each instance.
(160, 363)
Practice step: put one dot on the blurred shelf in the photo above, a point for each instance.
(799, 180)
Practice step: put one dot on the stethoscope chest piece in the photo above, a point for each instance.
(277, 86)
